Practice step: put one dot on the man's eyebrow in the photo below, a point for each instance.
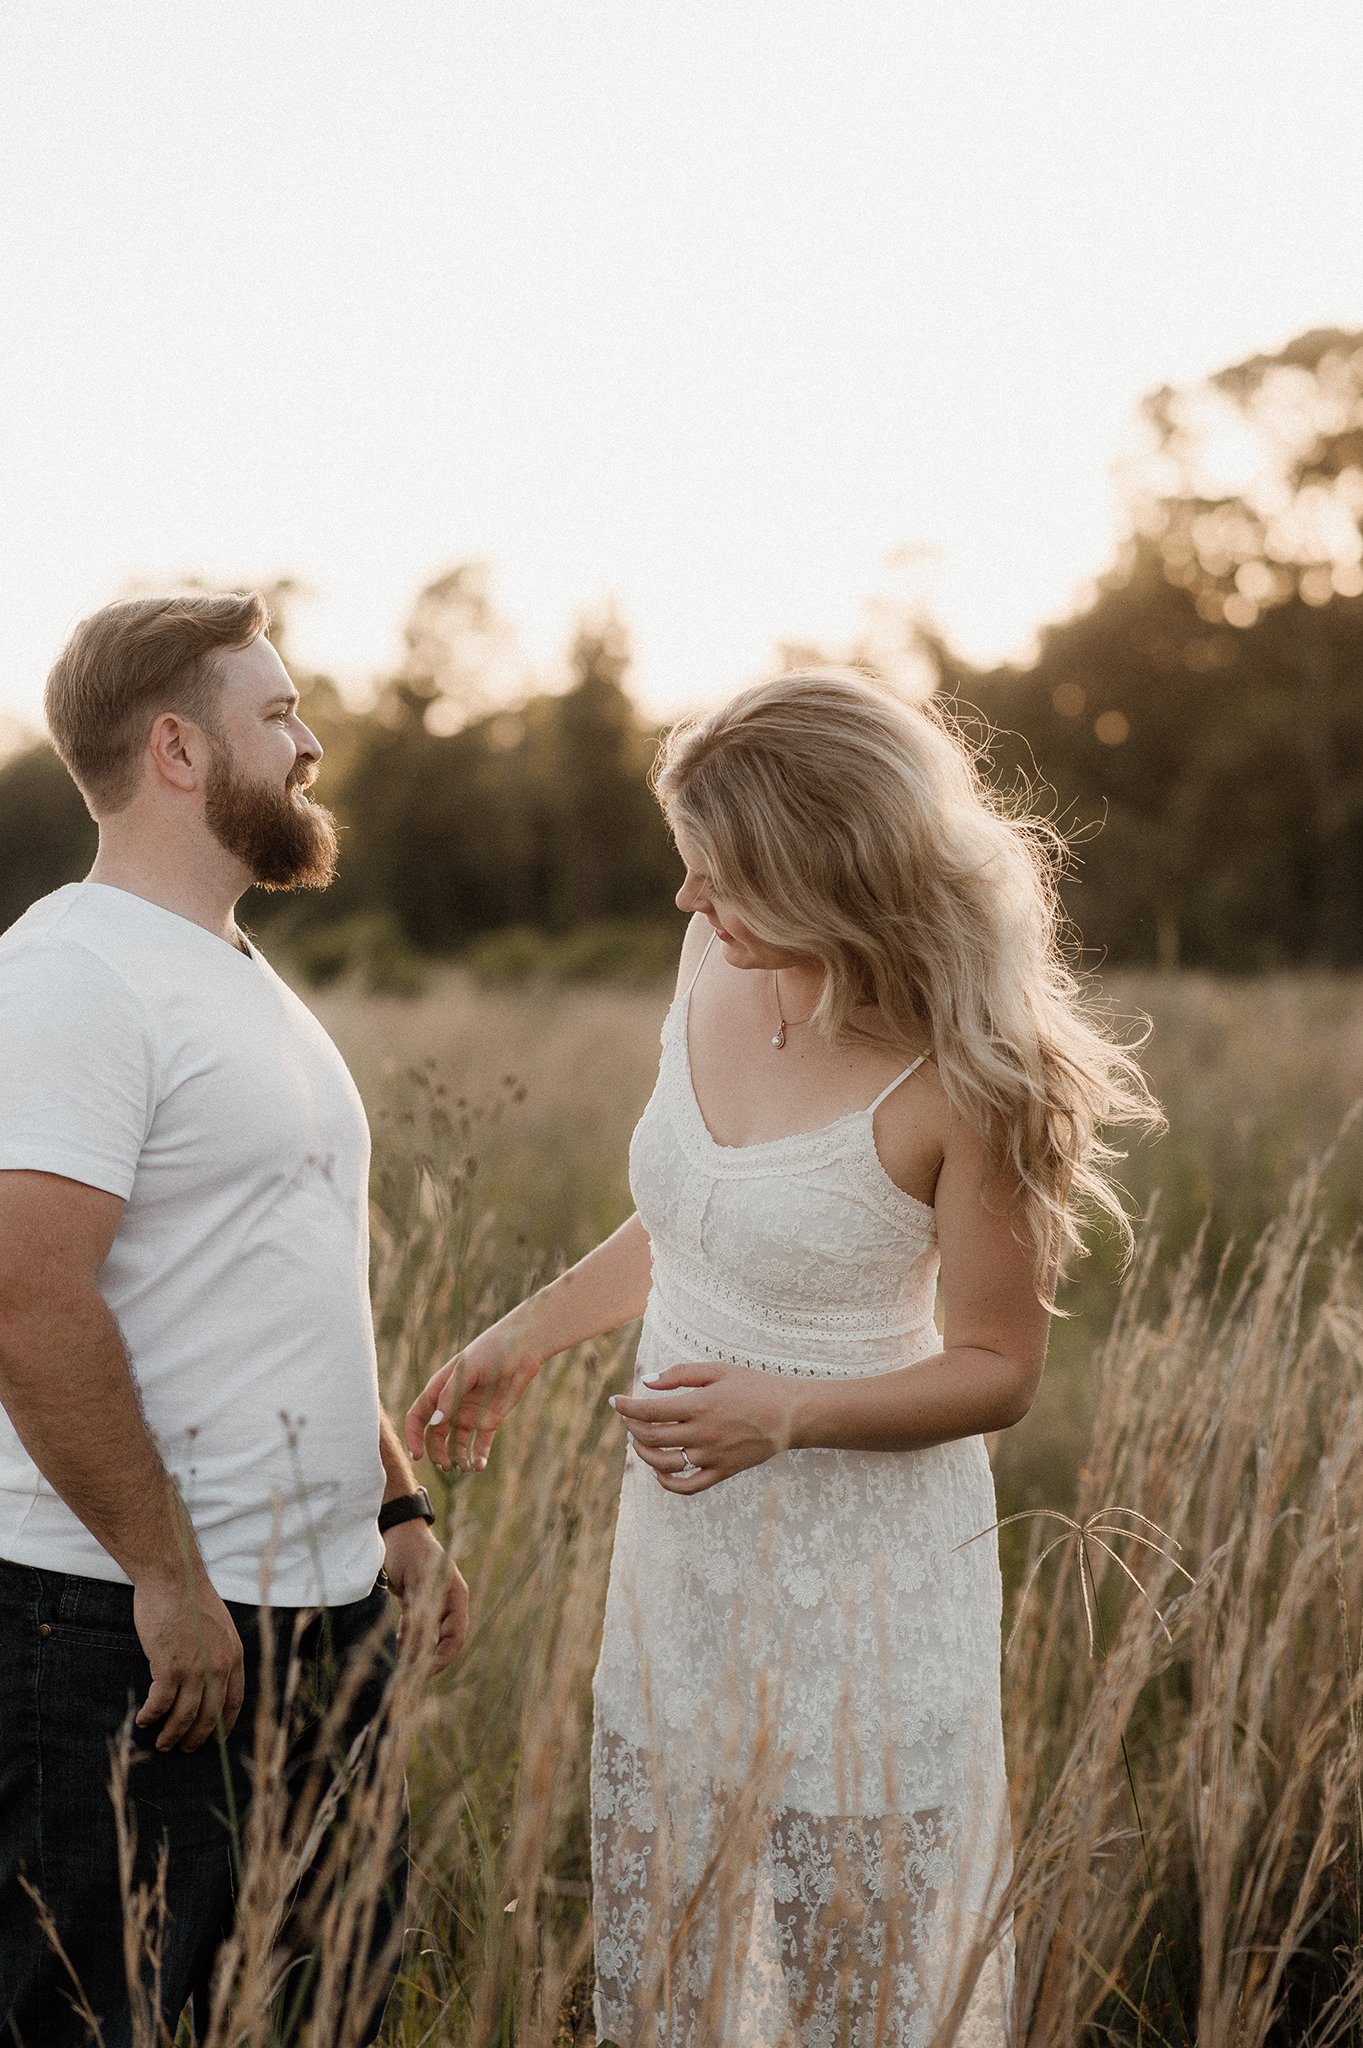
(289, 697)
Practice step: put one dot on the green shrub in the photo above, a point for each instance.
(619, 949)
(612, 950)
(370, 946)
(513, 954)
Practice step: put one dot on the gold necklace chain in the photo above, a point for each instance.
(779, 1039)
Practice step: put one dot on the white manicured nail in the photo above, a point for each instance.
(436, 1419)
(651, 1379)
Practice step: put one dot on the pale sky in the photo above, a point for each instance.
(708, 308)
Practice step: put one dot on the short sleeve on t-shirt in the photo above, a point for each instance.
(77, 1067)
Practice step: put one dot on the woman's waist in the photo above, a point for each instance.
(710, 1321)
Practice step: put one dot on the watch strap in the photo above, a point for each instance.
(405, 1507)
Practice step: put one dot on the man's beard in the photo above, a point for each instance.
(286, 841)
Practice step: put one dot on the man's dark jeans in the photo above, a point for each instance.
(71, 1668)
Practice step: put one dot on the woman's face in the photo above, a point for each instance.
(742, 948)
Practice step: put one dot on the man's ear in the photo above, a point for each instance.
(179, 751)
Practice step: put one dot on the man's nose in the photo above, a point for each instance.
(308, 744)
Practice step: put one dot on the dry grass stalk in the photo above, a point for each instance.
(1222, 1908)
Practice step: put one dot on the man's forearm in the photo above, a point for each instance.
(87, 1434)
(399, 1473)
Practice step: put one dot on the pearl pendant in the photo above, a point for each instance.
(780, 1039)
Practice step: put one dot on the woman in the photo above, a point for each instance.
(877, 1072)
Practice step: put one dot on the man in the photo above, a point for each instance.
(192, 1452)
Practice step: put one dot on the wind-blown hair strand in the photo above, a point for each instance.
(856, 830)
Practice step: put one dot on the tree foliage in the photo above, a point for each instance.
(537, 814)
(1201, 722)
(1197, 728)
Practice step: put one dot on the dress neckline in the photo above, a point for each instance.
(680, 1010)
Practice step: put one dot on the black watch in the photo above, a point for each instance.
(405, 1507)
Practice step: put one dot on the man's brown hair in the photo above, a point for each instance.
(124, 666)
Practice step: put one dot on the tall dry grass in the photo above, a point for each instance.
(1184, 1751)
(1183, 1685)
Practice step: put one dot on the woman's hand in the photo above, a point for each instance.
(718, 1418)
(462, 1406)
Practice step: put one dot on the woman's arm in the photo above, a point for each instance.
(472, 1393)
(984, 1378)
(994, 1333)
(606, 1288)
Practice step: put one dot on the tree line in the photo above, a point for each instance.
(1196, 728)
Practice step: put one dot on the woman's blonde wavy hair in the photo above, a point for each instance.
(855, 829)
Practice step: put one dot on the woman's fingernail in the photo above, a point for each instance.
(611, 1402)
(436, 1419)
(651, 1379)
(482, 1464)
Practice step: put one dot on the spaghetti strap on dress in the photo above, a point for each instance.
(699, 964)
(898, 1080)
(799, 1808)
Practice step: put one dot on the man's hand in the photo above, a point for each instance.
(195, 1654)
(412, 1553)
(55, 1235)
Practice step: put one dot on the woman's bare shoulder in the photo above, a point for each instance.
(912, 1131)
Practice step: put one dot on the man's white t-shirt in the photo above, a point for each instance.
(141, 1054)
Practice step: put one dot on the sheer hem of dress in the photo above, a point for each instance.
(762, 1925)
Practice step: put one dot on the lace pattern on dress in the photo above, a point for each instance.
(799, 1803)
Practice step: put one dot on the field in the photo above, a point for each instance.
(1258, 1078)
(1182, 1693)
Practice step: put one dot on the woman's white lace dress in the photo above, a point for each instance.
(799, 1805)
